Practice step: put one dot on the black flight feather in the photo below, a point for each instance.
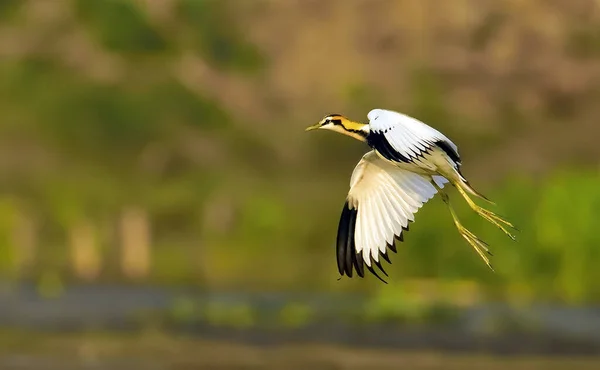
(377, 141)
(347, 258)
(342, 238)
(445, 146)
(385, 257)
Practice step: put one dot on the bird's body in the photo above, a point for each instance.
(409, 163)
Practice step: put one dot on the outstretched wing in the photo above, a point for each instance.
(401, 138)
(383, 199)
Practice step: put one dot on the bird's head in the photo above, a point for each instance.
(329, 122)
(341, 124)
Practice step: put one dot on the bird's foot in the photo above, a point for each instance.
(479, 245)
(493, 218)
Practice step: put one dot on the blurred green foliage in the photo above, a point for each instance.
(224, 214)
(218, 36)
(8, 8)
(120, 26)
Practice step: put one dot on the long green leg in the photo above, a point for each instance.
(479, 245)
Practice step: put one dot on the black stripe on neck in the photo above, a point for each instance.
(338, 122)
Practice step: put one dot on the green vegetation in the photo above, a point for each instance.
(228, 206)
(216, 35)
(120, 26)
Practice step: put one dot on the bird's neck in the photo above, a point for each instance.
(356, 130)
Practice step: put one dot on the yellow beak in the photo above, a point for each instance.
(313, 127)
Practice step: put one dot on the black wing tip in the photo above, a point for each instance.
(386, 257)
(348, 260)
(378, 264)
(372, 271)
(369, 266)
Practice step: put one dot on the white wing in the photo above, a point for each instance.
(403, 138)
(383, 199)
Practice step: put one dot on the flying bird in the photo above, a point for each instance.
(410, 162)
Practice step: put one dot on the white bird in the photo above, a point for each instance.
(409, 163)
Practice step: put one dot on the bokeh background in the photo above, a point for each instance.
(161, 206)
